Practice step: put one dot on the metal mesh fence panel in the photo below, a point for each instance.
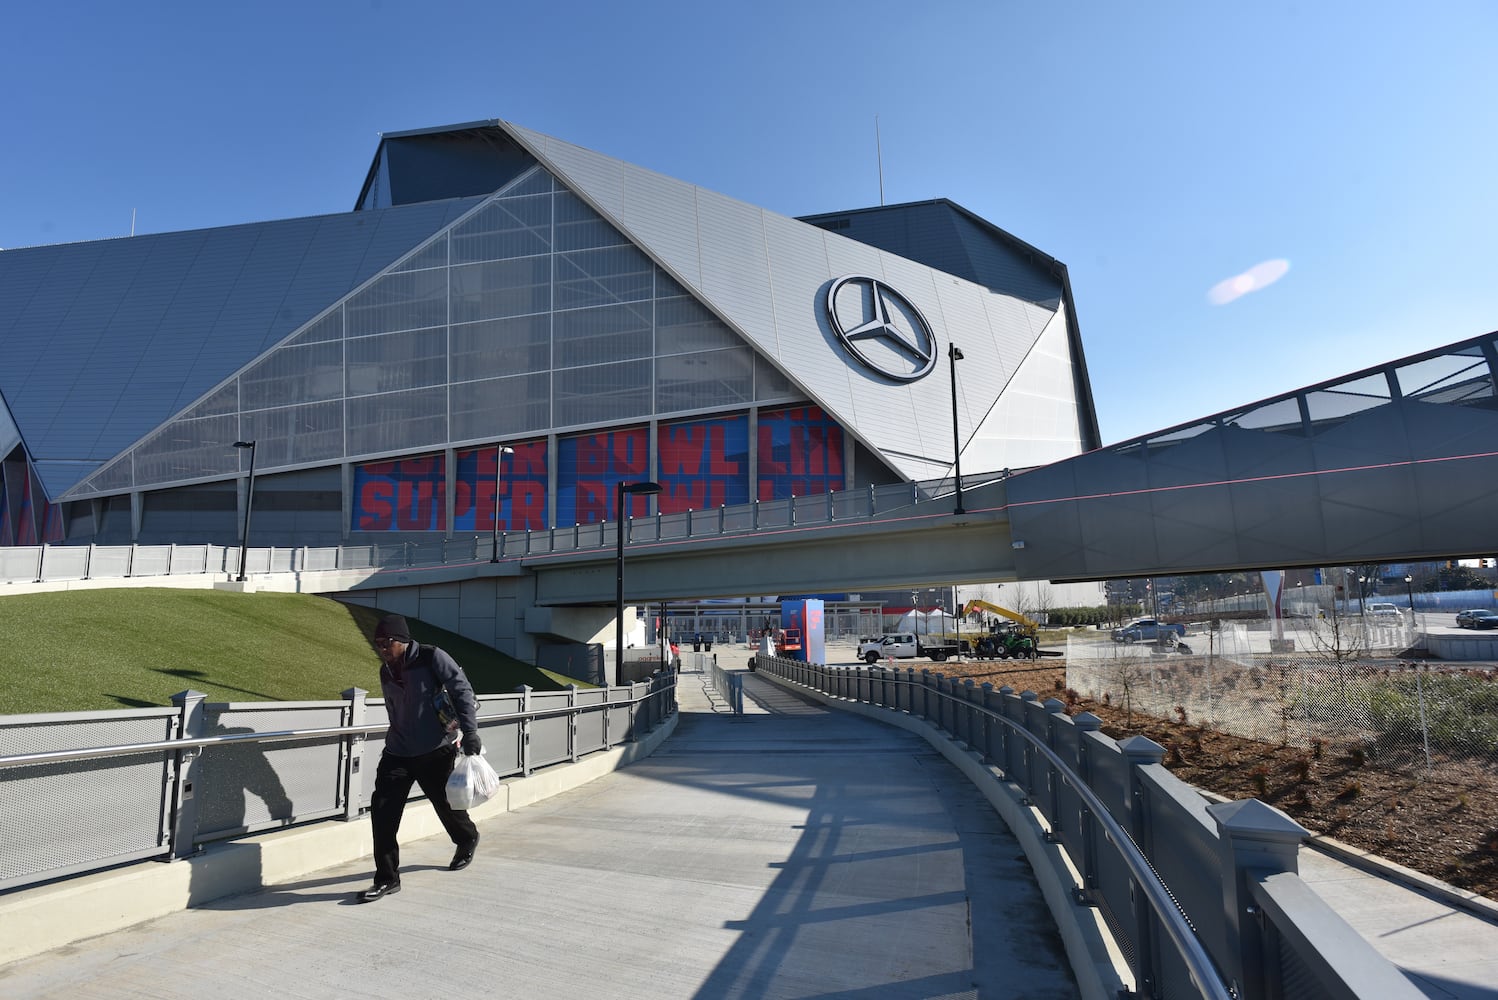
(1408, 716)
(551, 737)
(65, 563)
(50, 823)
(251, 786)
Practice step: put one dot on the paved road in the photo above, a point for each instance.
(794, 852)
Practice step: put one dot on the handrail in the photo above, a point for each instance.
(730, 686)
(739, 520)
(287, 735)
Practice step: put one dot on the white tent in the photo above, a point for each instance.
(927, 623)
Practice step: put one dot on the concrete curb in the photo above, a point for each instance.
(1445, 892)
(1392, 871)
(1101, 971)
(62, 913)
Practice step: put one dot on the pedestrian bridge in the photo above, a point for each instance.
(1390, 464)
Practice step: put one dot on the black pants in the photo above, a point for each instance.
(393, 783)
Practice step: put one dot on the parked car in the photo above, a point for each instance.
(1477, 618)
(1147, 630)
(1383, 612)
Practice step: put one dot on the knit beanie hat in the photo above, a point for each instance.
(393, 627)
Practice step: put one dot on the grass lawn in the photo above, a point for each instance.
(92, 650)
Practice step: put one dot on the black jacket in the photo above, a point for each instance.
(414, 729)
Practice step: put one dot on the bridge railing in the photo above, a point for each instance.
(107, 788)
(728, 683)
(49, 563)
(1202, 900)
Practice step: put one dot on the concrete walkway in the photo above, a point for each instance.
(797, 851)
(793, 852)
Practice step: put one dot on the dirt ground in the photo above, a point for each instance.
(1446, 828)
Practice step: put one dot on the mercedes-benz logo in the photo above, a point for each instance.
(881, 328)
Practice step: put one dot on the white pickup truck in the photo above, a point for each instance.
(905, 646)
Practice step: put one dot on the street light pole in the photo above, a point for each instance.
(499, 458)
(955, 354)
(623, 489)
(1409, 588)
(249, 501)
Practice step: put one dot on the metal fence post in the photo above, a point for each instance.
(985, 721)
(525, 729)
(1056, 716)
(633, 734)
(969, 717)
(572, 714)
(1005, 736)
(1086, 723)
(353, 753)
(1140, 751)
(1255, 840)
(182, 830)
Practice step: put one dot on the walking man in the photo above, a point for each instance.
(420, 747)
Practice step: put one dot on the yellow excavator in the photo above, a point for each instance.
(1029, 625)
(1017, 640)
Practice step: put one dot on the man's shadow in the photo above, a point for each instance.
(224, 779)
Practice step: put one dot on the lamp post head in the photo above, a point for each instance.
(645, 488)
(244, 444)
(954, 352)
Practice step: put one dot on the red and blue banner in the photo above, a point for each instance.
(26, 518)
(800, 453)
(521, 479)
(590, 468)
(700, 464)
(406, 495)
(703, 463)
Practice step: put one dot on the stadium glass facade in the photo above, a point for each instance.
(520, 316)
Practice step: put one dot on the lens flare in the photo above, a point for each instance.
(1259, 276)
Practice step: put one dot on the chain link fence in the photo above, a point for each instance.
(1331, 681)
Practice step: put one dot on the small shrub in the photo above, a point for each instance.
(1181, 714)
(1351, 790)
(1260, 778)
(1073, 696)
(1318, 747)
(1357, 754)
(1342, 815)
(1175, 755)
(1462, 801)
(1301, 768)
(1107, 697)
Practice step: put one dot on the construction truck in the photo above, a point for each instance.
(905, 645)
(1014, 638)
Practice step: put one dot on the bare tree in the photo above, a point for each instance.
(1045, 601)
(1340, 636)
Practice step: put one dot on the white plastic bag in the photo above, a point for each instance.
(473, 782)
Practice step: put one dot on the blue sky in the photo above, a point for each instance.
(1336, 157)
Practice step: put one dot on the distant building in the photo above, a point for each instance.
(495, 287)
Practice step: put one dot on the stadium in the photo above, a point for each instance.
(505, 328)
